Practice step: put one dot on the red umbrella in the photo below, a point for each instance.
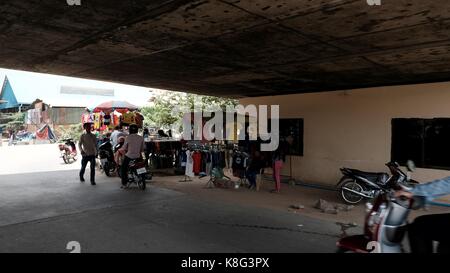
(118, 105)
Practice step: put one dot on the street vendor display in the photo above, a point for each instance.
(108, 115)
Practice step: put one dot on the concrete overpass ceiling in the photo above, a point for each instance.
(231, 48)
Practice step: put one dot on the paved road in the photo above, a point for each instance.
(43, 211)
(32, 158)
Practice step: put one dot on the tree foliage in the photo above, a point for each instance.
(74, 132)
(160, 113)
(14, 122)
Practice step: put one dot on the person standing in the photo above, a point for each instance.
(254, 169)
(133, 149)
(12, 137)
(148, 147)
(277, 164)
(88, 150)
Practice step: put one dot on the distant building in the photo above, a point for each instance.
(59, 107)
(9, 103)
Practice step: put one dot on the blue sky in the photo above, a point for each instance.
(29, 86)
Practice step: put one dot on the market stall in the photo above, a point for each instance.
(108, 115)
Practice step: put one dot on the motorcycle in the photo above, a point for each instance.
(385, 225)
(137, 171)
(137, 174)
(106, 156)
(386, 221)
(355, 185)
(68, 151)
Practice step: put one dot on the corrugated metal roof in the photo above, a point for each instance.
(7, 95)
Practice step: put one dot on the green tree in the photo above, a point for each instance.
(160, 113)
(14, 122)
(74, 132)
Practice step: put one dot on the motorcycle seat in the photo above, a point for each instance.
(137, 163)
(373, 176)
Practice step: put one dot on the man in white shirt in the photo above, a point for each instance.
(115, 135)
(133, 149)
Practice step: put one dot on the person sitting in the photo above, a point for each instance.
(133, 149)
(118, 154)
(162, 134)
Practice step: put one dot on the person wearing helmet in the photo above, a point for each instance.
(133, 149)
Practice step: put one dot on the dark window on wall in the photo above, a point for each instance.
(291, 135)
(425, 141)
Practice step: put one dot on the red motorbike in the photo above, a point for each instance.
(68, 151)
(386, 221)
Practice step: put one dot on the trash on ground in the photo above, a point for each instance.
(327, 207)
(344, 227)
(297, 206)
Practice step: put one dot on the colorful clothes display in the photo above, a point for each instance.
(107, 119)
(97, 121)
(128, 118)
(87, 118)
(139, 119)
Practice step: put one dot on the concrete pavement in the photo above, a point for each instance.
(42, 212)
(32, 158)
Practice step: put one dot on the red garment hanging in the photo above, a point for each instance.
(197, 157)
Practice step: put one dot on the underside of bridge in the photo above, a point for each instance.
(234, 48)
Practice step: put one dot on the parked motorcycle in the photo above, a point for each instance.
(68, 151)
(106, 156)
(355, 185)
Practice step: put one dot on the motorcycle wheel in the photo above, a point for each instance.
(148, 176)
(342, 250)
(349, 197)
(106, 169)
(141, 182)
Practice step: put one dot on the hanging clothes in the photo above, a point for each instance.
(116, 118)
(183, 159)
(239, 164)
(107, 119)
(87, 118)
(128, 118)
(189, 164)
(207, 162)
(197, 157)
(97, 121)
(139, 119)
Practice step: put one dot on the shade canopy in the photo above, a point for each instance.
(110, 106)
